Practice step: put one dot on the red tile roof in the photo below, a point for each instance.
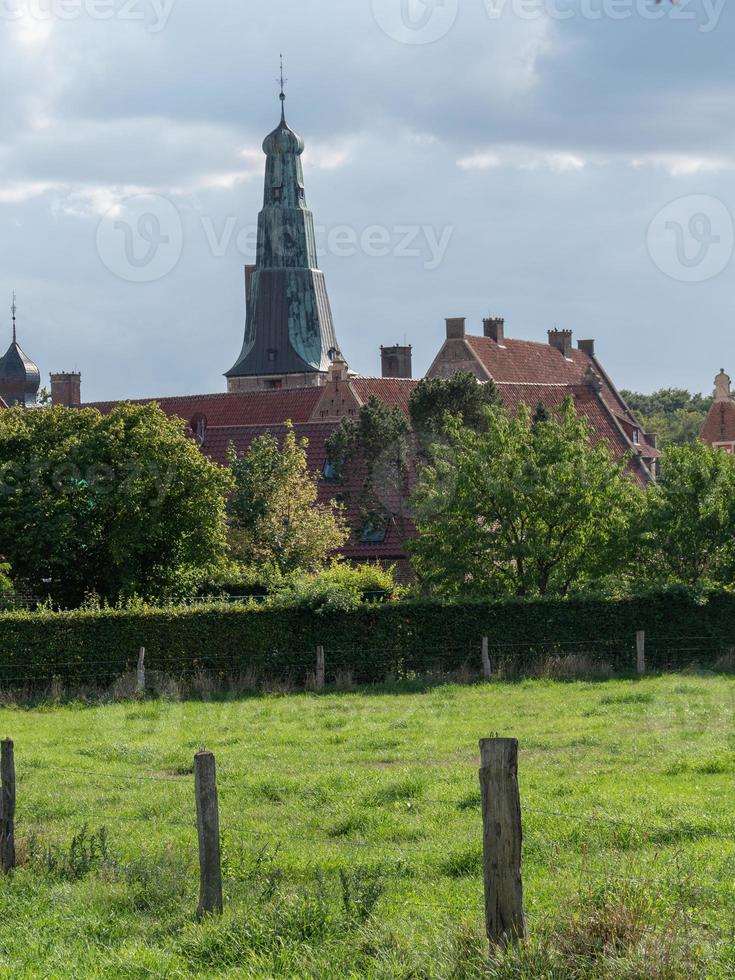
(530, 362)
(236, 408)
(392, 391)
(719, 426)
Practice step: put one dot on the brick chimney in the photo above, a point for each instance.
(587, 347)
(456, 327)
(66, 389)
(396, 361)
(494, 328)
(562, 340)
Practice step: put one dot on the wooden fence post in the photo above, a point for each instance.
(140, 675)
(487, 671)
(501, 839)
(7, 805)
(210, 869)
(320, 669)
(640, 647)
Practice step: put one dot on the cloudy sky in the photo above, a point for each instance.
(560, 162)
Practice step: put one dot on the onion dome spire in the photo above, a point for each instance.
(20, 378)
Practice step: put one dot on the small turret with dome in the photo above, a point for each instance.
(20, 379)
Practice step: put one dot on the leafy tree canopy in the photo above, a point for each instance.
(520, 509)
(688, 528)
(108, 505)
(276, 522)
(674, 414)
(376, 440)
(460, 395)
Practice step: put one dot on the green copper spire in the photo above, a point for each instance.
(289, 328)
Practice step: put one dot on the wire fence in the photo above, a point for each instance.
(488, 658)
(306, 851)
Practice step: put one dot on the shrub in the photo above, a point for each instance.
(338, 588)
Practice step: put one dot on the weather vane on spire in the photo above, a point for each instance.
(12, 310)
(282, 96)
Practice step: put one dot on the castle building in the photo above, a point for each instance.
(290, 366)
(20, 379)
(289, 333)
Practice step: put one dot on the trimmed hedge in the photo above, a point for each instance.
(399, 638)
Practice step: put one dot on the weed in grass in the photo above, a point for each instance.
(630, 697)
(86, 852)
(360, 893)
(703, 765)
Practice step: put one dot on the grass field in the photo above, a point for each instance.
(352, 836)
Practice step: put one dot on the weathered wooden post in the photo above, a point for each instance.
(505, 921)
(210, 869)
(7, 805)
(487, 671)
(140, 674)
(640, 647)
(320, 669)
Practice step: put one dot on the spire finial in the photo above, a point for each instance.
(12, 310)
(282, 96)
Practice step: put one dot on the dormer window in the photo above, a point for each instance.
(332, 472)
(374, 530)
(636, 437)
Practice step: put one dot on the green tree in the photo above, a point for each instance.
(676, 415)
(688, 529)
(113, 505)
(376, 442)
(460, 395)
(520, 509)
(275, 519)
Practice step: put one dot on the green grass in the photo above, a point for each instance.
(352, 837)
